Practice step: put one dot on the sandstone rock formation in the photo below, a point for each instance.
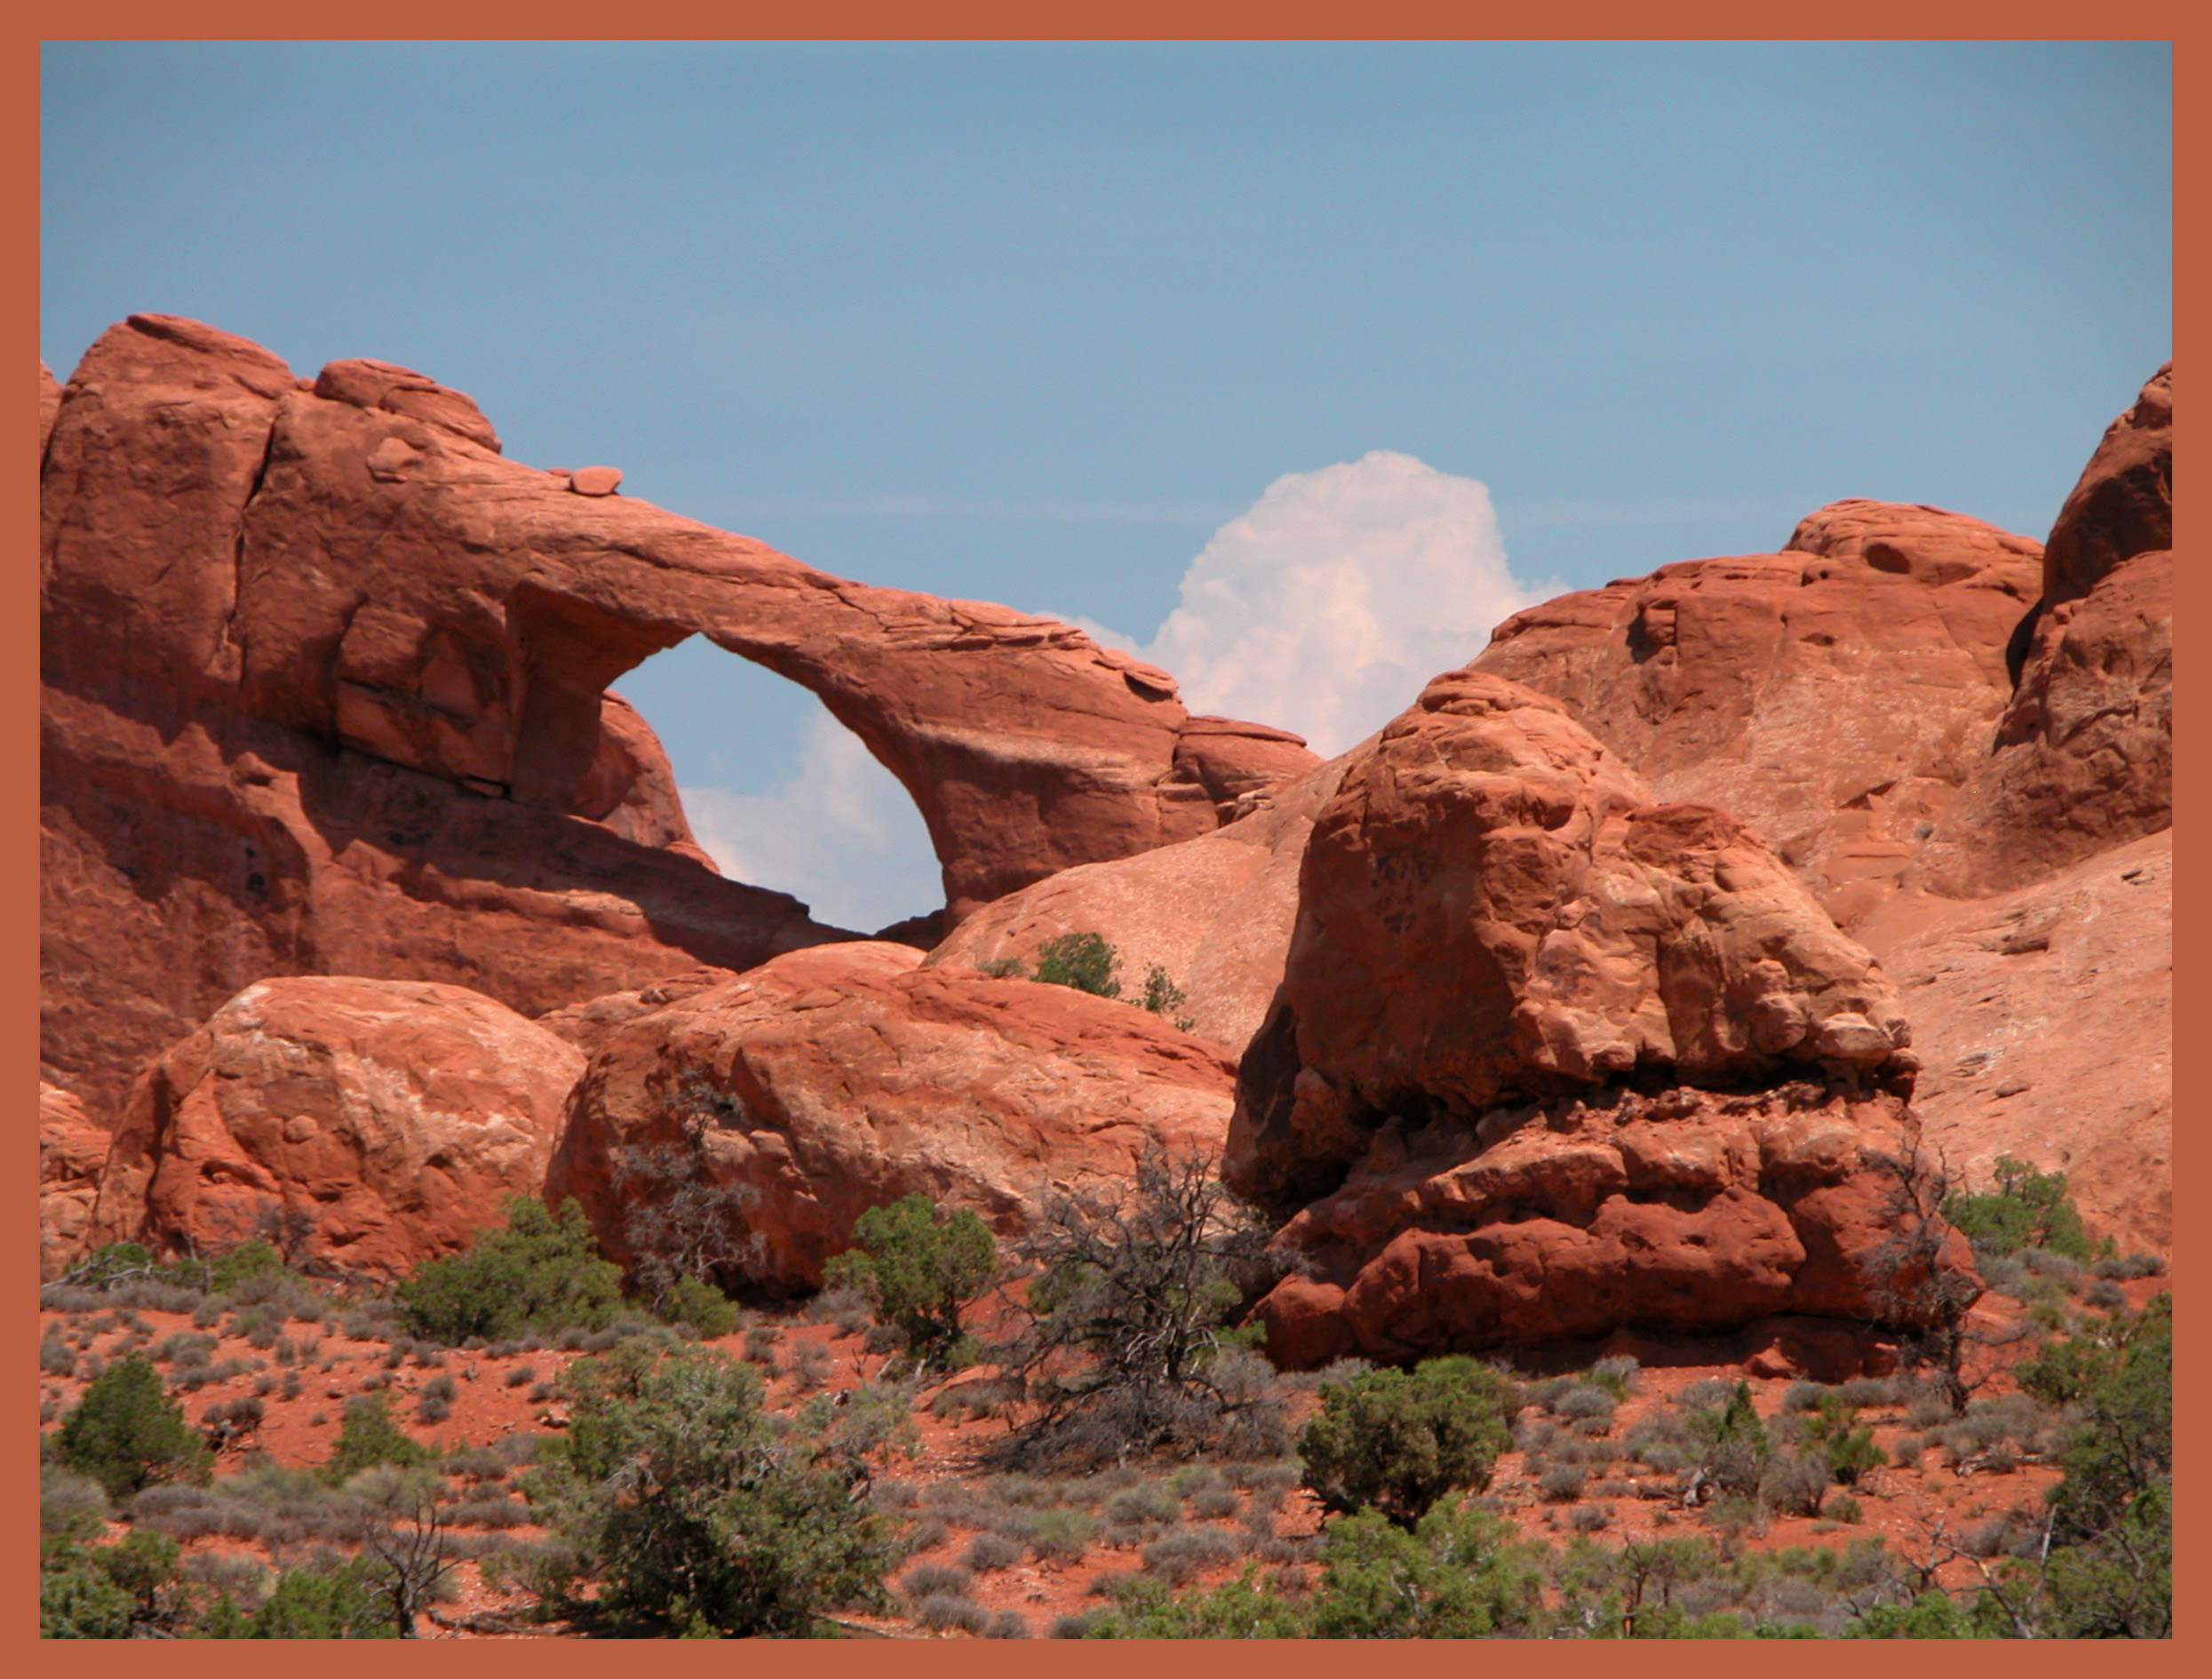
(71, 1152)
(326, 691)
(2124, 503)
(1497, 924)
(2044, 1019)
(1214, 913)
(1833, 696)
(2083, 757)
(391, 1118)
(1568, 1219)
(840, 1078)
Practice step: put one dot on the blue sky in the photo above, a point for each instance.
(1034, 322)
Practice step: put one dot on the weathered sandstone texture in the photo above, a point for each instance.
(2083, 756)
(1550, 1058)
(71, 1152)
(326, 691)
(1213, 913)
(2044, 1021)
(1835, 695)
(837, 1078)
(391, 1118)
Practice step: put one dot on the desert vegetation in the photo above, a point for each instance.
(1069, 1438)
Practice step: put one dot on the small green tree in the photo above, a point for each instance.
(77, 1598)
(922, 1268)
(338, 1602)
(369, 1437)
(541, 1272)
(696, 1513)
(126, 1433)
(1398, 1441)
(2027, 1209)
(1083, 960)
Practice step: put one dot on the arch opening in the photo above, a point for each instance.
(780, 793)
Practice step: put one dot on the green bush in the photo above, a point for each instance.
(541, 1273)
(921, 1268)
(1457, 1574)
(700, 1516)
(1085, 962)
(126, 1433)
(711, 1313)
(1398, 1441)
(78, 1599)
(340, 1602)
(369, 1437)
(2028, 1209)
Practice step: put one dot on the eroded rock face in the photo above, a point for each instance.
(72, 1151)
(837, 1078)
(2124, 503)
(2083, 759)
(1835, 695)
(1213, 913)
(2044, 1021)
(326, 690)
(1550, 1059)
(2083, 756)
(395, 1118)
(1492, 908)
(1691, 1212)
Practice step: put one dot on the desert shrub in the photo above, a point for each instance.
(809, 1366)
(1163, 997)
(368, 1437)
(937, 1579)
(1214, 1504)
(1562, 1483)
(697, 1511)
(1398, 1441)
(685, 1232)
(1581, 1402)
(335, 1600)
(1177, 1556)
(1127, 1348)
(71, 1506)
(991, 1551)
(125, 1433)
(2027, 1209)
(1061, 1535)
(1084, 961)
(539, 1273)
(1617, 1374)
(943, 1613)
(1457, 1574)
(56, 1357)
(1007, 1623)
(1590, 1518)
(77, 1598)
(921, 1266)
(521, 1376)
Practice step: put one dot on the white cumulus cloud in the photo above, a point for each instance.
(1324, 607)
(841, 834)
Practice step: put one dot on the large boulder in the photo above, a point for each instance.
(326, 691)
(387, 1120)
(1213, 913)
(1494, 908)
(72, 1151)
(1536, 1029)
(1835, 695)
(847, 1076)
(2044, 1021)
(1690, 1212)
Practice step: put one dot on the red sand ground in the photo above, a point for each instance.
(1903, 1505)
